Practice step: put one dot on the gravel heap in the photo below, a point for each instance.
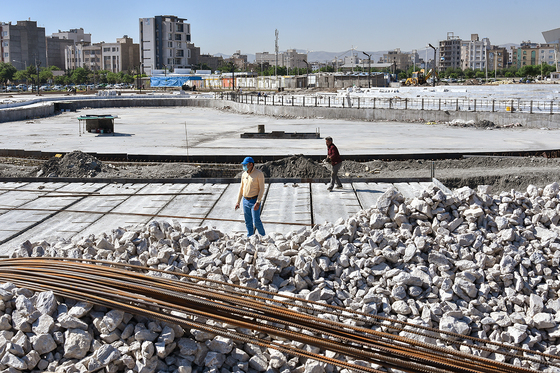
(473, 263)
(74, 164)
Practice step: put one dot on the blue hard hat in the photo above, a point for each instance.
(248, 160)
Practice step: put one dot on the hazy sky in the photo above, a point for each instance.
(248, 25)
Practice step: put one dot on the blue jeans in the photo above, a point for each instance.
(252, 217)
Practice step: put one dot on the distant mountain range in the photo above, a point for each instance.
(322, 56)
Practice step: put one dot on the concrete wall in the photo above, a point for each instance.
(525, 119)
(25, 113)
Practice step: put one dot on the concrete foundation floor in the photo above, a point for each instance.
(200, 131)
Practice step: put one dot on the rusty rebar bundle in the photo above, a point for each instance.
(178, 298)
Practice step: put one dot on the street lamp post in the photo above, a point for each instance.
(38, 63)
(369, 69)
(307, 74)
(434, 74)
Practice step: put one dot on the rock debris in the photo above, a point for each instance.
(473, 263)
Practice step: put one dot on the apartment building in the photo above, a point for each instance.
(77, 35)
(526, 54)
(548, 54)
(164, 43)
(23, 44)
(399, 60)
(238, 59)
(212, 62)
(449, 53)
(56, 51)
(123, 55)
(473, 54)
(498, 58)
(265, 58)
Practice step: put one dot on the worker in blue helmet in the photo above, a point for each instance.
(251, 192)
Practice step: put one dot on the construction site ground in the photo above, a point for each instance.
(502, 173)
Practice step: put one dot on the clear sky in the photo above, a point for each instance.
(248, 25)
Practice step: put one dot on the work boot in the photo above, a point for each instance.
(329, 188)
(339, 187)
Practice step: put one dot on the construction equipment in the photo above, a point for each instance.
(419, 78)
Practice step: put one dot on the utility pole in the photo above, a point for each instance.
(37, 64)
(434, 73)
(369, 69)
(276, 50)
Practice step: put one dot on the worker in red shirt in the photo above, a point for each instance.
(333, 157)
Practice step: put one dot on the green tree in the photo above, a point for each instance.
(45, 75)
(112, 78)
(21, 76)
(7, 72)
(80, 76)
(127, 78)
(480, 74)
(469, 73)
(61, 80)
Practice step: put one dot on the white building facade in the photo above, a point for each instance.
(164, 43)
(474, 53)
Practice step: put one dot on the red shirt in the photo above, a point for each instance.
(334, 155)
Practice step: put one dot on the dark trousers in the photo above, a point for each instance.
(334, 175)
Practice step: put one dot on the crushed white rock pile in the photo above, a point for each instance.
(475, 263)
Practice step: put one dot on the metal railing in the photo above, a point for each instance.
(441, 104)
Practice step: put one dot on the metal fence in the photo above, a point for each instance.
(445, 104)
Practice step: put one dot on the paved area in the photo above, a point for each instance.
(46, 211)
(200, 131)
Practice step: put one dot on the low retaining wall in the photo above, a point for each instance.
(27, 112)
(499, 118)
(399, 115)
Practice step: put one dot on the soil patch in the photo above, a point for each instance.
(296, 166)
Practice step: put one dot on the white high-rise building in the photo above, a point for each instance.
(473, 53)
(164, 43)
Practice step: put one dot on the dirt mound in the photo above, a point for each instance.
(75, 164)
(296, 166)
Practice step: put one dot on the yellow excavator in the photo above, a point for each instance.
(418, 77)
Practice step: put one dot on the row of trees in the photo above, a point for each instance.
(9, 74)
(530, 71)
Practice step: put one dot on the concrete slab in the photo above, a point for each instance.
(330, 206)
(223, 215)
(369, 193)
(47, 211)
(202, 131)
(196, 202)
(287, 207)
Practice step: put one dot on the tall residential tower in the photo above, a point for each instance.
(164, 43)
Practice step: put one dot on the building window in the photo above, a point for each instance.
(5, 44)
(106, 49)
(169, 36)
(170, 44)
(170, 53)
(180, 53)
(114, 49)
(6, 55)
(179, 44)
(179, 27)
(4, 33)
(170, 27)
(177, 36)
